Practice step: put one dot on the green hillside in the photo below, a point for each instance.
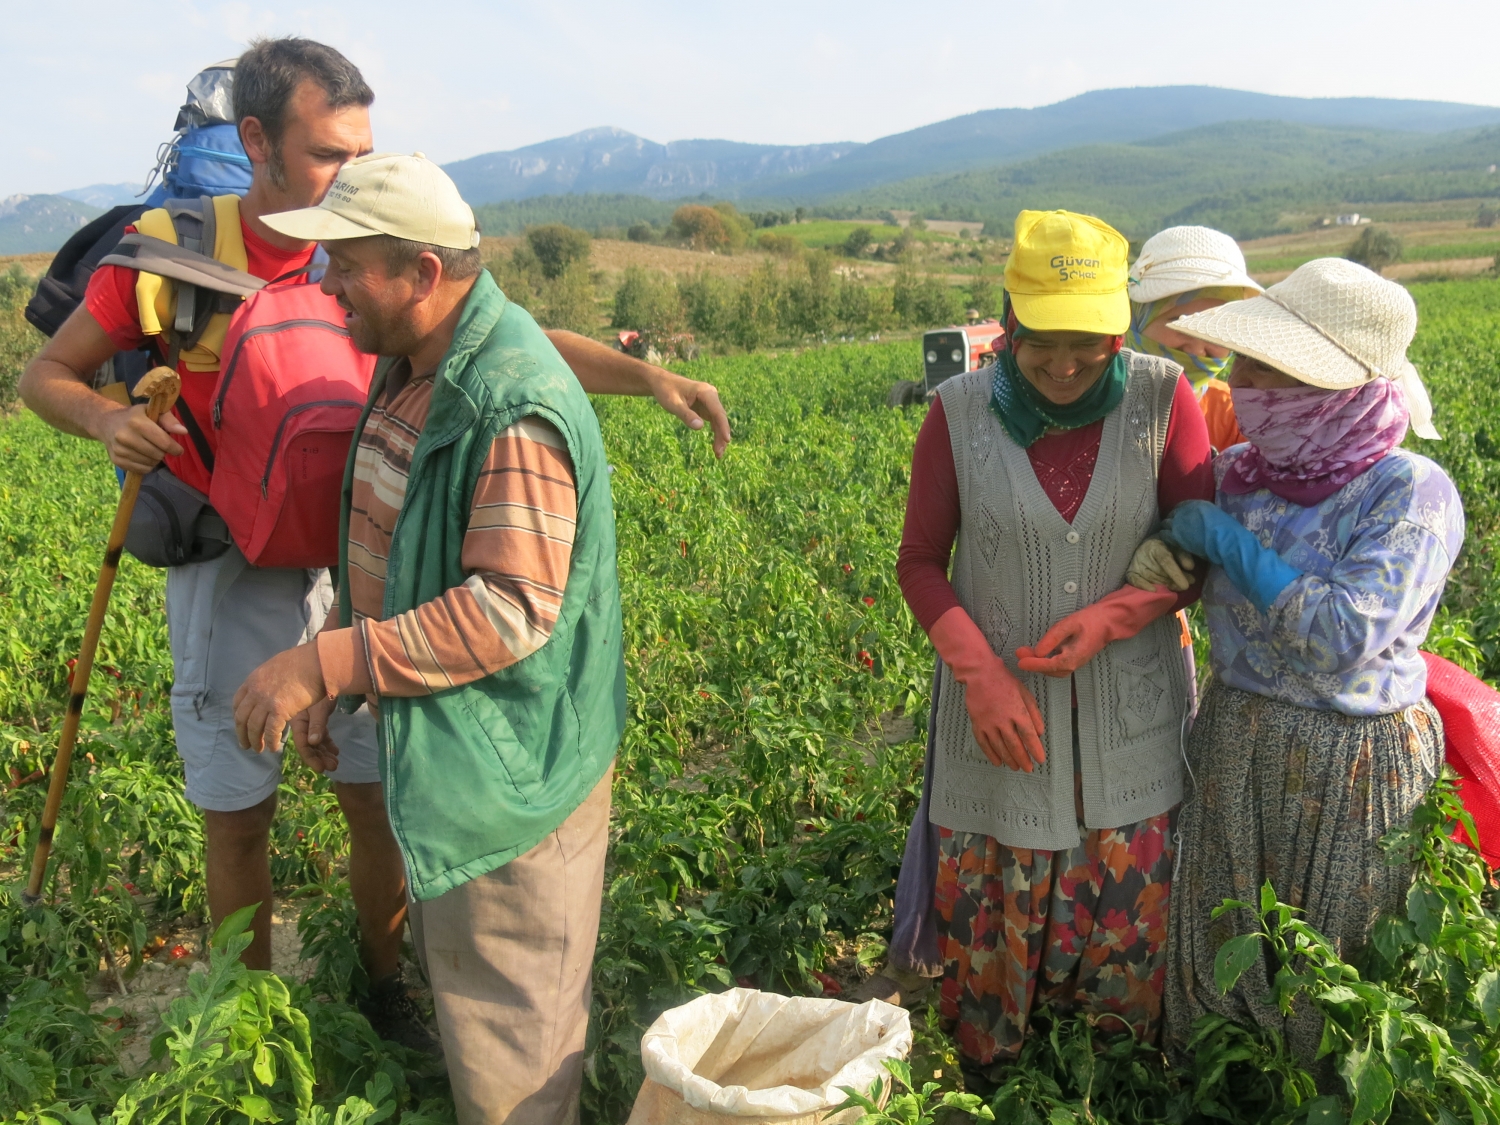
(586, 211)
(1248, 178)
(1455, 167)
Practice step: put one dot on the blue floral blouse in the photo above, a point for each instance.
(1374, 558)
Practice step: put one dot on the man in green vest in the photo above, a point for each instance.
(479, 614)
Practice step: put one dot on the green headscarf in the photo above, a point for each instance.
(1026, 413)
(1198, 368)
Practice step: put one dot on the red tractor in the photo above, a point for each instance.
(947, 352)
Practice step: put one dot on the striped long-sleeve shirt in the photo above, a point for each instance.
(516, 553)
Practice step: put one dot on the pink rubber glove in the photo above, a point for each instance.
(1006, 720)
(1078, 637)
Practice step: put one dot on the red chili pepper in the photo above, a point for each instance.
(831, 987)
(866, 659)
(848, 568)
(178, 952)
(746, 982)
(683, 548)
(868, 601)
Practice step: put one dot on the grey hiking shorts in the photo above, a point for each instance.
(226, 618)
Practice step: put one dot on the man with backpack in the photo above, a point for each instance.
(302, 112)
(479, 605)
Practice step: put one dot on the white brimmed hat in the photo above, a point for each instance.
(408, 197)
(1183, 258)
(1331, 324)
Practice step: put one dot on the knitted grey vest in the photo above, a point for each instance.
(1018, 568)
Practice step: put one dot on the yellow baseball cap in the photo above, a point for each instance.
(408, 197)
(1067, 273)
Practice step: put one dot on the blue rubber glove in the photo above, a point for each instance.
(1200, 528)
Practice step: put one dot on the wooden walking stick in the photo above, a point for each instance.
(160, 386)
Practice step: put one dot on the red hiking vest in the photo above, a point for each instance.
(290, 390)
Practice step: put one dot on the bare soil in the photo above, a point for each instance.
(163, 976)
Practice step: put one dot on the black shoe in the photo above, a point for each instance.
(395, 1016)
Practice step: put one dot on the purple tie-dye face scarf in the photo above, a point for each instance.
(1307, 443)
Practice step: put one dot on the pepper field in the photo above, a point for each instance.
(778, 701)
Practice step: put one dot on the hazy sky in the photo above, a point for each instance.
(92, 86)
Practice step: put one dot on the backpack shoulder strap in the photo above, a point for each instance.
(153, 255)
(191, 273)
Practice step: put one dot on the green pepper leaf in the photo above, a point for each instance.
(1234, 957)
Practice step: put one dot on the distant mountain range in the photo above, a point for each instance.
(612, 160)
(33, 223)
(105, 196)
(1137, 155)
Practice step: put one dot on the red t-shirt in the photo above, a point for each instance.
(1064, 466)
(111, 299)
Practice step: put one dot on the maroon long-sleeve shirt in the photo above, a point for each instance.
(1064, 466)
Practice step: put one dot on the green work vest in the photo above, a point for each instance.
(477, 775)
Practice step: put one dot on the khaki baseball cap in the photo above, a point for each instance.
(407, 197)
(1067, 272)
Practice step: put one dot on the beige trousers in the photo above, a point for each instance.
(510, 958)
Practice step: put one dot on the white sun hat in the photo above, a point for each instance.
(1183, 258)
(1331, 324)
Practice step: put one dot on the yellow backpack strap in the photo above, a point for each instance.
(229, 236)
(156, 296)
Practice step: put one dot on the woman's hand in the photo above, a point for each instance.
(1212, 533)
(1155, 564)
(1006, 720)
(1081, 636)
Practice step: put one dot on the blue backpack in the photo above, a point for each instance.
(205, 157)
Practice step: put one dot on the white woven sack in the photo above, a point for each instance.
(749, 1056)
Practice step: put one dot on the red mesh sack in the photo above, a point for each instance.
(1471, 735)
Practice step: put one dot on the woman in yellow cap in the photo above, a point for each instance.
(1181, 271)
(1053, 770)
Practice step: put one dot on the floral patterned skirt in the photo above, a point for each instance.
(1082, 929)
(1302, 798)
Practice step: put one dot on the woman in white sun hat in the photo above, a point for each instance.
(1181, 271)
(1330, 547)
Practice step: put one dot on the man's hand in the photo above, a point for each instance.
(272, 695)
(57, 384)
(134, 442)
(310, 737)
(693, 402)
(601, 370)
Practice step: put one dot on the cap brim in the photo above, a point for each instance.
(316, 224)
(1107, 314)
(1263, 330)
